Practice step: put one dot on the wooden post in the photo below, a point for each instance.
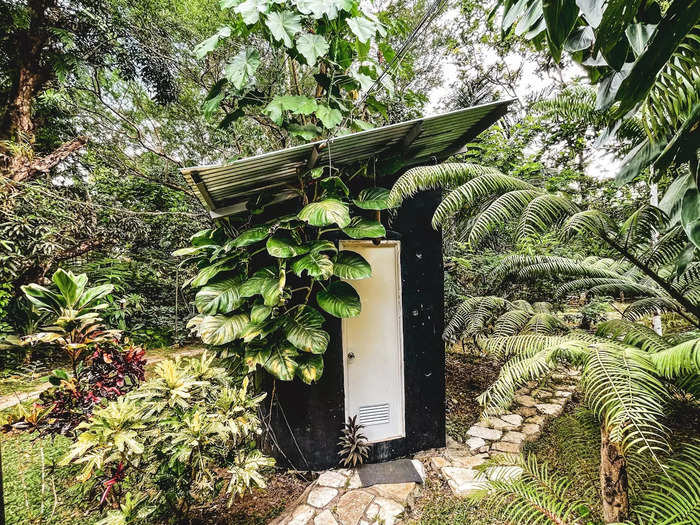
(613, 480)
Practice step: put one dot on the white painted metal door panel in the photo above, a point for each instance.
(373, 345)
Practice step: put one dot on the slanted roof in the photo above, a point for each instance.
(225, 189)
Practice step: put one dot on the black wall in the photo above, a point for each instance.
(306, 421)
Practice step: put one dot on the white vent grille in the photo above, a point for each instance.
(374, 414)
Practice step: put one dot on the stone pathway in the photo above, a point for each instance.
(504, 433)
(10, 400)
(338, 498)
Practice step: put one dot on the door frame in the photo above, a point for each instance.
(396, 244)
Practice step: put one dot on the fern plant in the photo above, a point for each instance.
(629, 376)
(493, 200)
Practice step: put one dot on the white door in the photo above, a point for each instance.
(373, 345)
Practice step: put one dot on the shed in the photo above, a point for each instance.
(387, 365)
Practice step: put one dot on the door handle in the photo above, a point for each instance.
(351, 355)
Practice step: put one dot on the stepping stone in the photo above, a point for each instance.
(531, 431)
(527, 411)
(475, 443)
(484, 433)
(355, 481)
(538, 420)
(332, 478)
(301, 515)
(419, 468)
(325, 518)
(321, 496)
(513, 419)
(462, 481)
(526, 401)
(372, 512)
(562, 393)
(504, 446)
(400, 492)
(438, 462)
(351, 506)
(388, 510)
(541, 394)
(550, 409)
(499, 424)
(470, 461)
(514, 437)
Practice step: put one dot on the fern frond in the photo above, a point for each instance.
(606, 286)
(650, 306)
(447, 175)
(674, 497)
(544, 212)
(638, 227)
(633, 334)
(534, 497)
(504, 208)
(622, 390)
(545, 323)
(667, 249)
(476, 190)
(587, 222)
(472, 316)
(511, 323)
(678, 360)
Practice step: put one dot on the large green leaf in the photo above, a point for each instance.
(310, 368)
(592, 11)
(325, 213)
(282, 245)
(683, 146)
(328, 116)
(241, 70)
(361, 228)
(304, 331)
(297, 104)
(90, 296)
(219, 298)
(340, 299)
(209, 272)
(638, 35)
(351, 265)
(250, 10)
(206, 47)
(322, 245)
(281, 363)
(690, 215)
(610, 39)
(284, 25)
(260, 312)
(560, 16)
(311, 47)
(676, 23)
(363, 28)
(251, 236)
(43, 298)
(222, 329)
(636, 160)
(317, 265)
(266, 282)
(70, 285)
(372, 199)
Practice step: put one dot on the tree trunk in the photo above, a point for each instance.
(613, 480)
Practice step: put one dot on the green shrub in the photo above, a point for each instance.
(169, 440)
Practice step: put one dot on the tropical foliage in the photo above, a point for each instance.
(166, 440)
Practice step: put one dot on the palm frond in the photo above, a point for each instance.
(622, 390)
(504, 208)
(673, 497)
(667, 249)
(650, 306)
(511, 323)
(472, 316)
(633, 334)
(587, 222)
(679, 360)
(638, 227)
(544, 212)
(475, 191)
(534, 497)
(545, 323)
(447, 175)
(606, 286)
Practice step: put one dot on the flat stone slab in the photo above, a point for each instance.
(514, 437)
(485, 433)
(504, 446)
(526, 401)
(388, 510)
(438, 462)
(321, 496)
(462, 481)
(400, 492)
(301, 515)
(513, 419)
(475, 443)
(332, 478)
(351, 506)
(325, 518)
(550, 409)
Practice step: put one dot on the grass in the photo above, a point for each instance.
(36, 490)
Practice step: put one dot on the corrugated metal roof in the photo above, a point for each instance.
(225, 189)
